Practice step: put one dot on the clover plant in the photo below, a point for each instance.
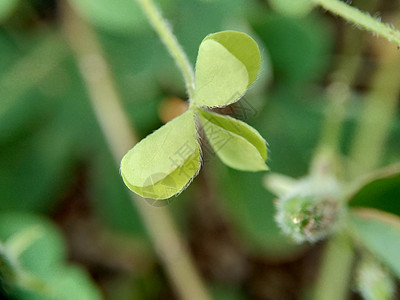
(166, 161)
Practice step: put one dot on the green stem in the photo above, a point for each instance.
(334, 279)
(163, 30)
(361, 19)
(326, 158)
(377, 118)
(120, 137)
(327, 154)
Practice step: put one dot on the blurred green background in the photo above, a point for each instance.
(57, 172)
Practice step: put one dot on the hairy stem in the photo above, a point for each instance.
(120, 137)
(164, 32)
(360, 19)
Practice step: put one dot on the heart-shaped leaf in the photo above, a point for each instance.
(380, 233)
(227, 64)
(237, 144)
(162, 164)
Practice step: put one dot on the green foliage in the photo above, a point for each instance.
(380, 190)
(51, 147)
(121, 16)
(292, 8)
(227, 64)
(237, 144)
(299, 48)
(39, 256)
(6, 7)
(163, 164)
(379, 232)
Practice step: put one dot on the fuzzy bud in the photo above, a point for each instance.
(309, 212)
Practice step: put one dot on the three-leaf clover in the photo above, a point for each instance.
(165, 162)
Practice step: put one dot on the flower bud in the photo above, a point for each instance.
(310, 212)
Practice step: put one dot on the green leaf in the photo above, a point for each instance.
(237, 144)
(67, 283)
(6, 7)
(45, 252)
(120, 16)
(227, 64)
(380, 233)
(296, 8)
(42, 274)
(380, 191)
(163, 163)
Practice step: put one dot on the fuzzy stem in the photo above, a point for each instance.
(361, 19)
(164, 32)
(120, 137)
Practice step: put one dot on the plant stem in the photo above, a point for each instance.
(334, 277)
(120, 137)
(377, 117)
(360, 19)
(326, 158)
(164, 32)
(327, 153)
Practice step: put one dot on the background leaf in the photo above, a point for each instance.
(381, 191)
(299, 48)
(292, 8)
(46, 253)
(119, 16)
(6, 7)
(45, 258)
(380, 233)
